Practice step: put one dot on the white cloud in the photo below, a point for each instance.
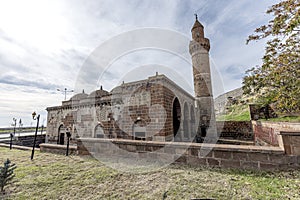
(43, 43)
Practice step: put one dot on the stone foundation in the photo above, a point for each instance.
(241, 130)
(291, 142)
(58, 149)
(268, 133)
(224, 156)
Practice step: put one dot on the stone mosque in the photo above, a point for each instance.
(154, 109)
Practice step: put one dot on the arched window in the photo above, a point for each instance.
(139, 130)
(99, 132)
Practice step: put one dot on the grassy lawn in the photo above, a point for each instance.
(51, 176)
(236, 113)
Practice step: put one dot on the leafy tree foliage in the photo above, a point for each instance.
(277, 81)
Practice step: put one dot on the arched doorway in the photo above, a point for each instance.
(139, 130)
(61, 135)
(176, 116)
(99, 132)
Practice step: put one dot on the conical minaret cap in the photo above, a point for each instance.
(197, 24)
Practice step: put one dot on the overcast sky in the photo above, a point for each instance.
(44, 44)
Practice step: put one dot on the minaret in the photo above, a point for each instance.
(199, 50)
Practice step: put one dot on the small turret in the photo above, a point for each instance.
(198, 34)
(197, 30)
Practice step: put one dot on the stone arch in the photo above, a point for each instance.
(61, 134)
(186, 121)
(99, 131)
(176, 115)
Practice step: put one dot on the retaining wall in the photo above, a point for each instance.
(225, 156)
(58, 149)
(235, 130)
(268, 133)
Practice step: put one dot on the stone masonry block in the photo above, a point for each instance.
(205, 153)
(240, 156)
(140, 148)
(249, 165)
(268, 166)
(196, 161)
(169, 150)
(281, 159)
(181, 159)
(223, 155)
(180, 151)
(193, 152)
(230, 163)
(257, 156)
(131, 148)
(213, 162)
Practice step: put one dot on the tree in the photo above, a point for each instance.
(6, 174)
(277, 81)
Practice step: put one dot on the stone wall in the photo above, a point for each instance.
(58, 149)
(291, 142)
(225, 156)
(268, 133)
(146, 103)
(241, 130)
(258, 111)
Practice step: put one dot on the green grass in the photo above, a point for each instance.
(235, 113)
(51, 176)
(242, 113)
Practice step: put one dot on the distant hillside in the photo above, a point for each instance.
(234, 106)
(222, 100)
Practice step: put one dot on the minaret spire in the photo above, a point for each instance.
(199, 50)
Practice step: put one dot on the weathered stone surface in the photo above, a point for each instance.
(213, 162)
(249, 165)
(268, 166)
(230, 163)
(196, 161)
(235, 130)
(258, 156)
(269, 133)
(222, 154)
(240, 156)
(61, 149)
(227, 156)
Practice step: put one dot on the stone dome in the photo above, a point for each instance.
(79, 96)
(98, 93)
